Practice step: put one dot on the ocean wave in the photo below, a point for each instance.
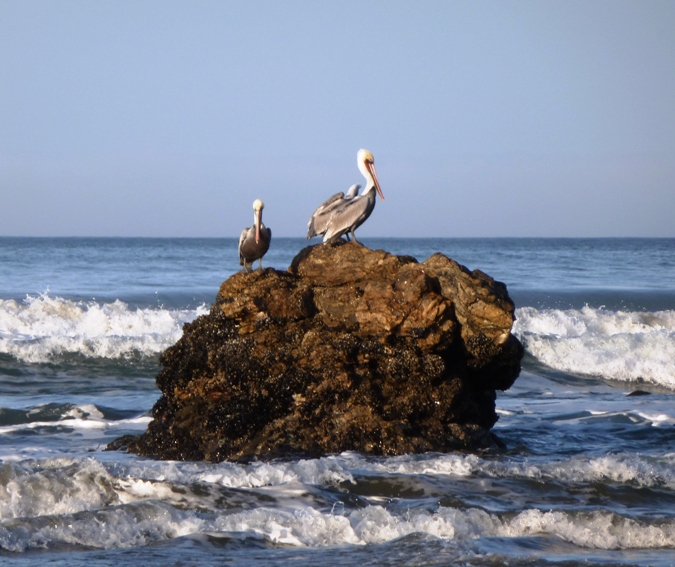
(84, 419)
(86, 502)
(637, 471)
(322, 471)
(62, 485)
(145, 523)
(43, 327)
(54, 487)
(375, 524)
(111, 527)
(617, 345)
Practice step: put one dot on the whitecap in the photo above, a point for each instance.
(70, 501)
(54, 486)
(626, 346)
(119, 526)
(375, 524)
(40, 328)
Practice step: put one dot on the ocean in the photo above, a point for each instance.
(588, 476)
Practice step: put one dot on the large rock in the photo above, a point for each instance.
(350, 349)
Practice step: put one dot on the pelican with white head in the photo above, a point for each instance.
(254, 241)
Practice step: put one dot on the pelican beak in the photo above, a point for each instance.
(258, 220)
(371, 168)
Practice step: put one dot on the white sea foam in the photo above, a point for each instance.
(67, 485)
(144, 523)
(54, 486)
(132, 525)
(63, 485)
(322, 471)
(83, 418)
(618, 469)
(632, 470)
(603, 530)
(42, 327)
(627, 346)
(149, 479)
(85, 502)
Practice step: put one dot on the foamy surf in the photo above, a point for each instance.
(375, 525)
(145, 523)
(65, 485)
(588, 478)
(86, 420)
(90, 503)
(41, 328)
(617, 345)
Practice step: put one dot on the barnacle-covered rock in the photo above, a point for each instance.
(350, 349)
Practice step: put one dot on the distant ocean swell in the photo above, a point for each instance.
(86, 503)
(40, 328)
(616, 345)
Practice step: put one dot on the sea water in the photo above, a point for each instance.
(588, 476)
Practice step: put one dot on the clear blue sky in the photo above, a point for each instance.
(492, 118)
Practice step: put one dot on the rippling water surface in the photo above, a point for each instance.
(588, 477)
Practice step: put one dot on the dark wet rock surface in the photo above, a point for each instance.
(350, 349)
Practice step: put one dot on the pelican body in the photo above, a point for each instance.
(319, 220)
(254, 241)
(347, 216)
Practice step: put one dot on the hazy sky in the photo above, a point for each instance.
(486, 118)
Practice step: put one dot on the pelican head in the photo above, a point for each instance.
(366, 163)
(258, 206)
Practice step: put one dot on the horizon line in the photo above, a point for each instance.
(361, 238)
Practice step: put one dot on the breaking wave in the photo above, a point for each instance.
(85, 502)
(43, 327)
(617, 345)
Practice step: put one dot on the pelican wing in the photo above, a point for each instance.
(241, 241)
(349, 216)
(318, 221)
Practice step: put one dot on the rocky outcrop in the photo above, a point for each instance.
(350, 349)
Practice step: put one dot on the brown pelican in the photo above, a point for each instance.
(255, 241)
(319, 220)
(348, 216)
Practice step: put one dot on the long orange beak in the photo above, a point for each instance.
(371, 168)
(258, 220)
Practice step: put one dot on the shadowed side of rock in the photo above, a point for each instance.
(350, 349)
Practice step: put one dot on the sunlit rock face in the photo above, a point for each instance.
(350, 349)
